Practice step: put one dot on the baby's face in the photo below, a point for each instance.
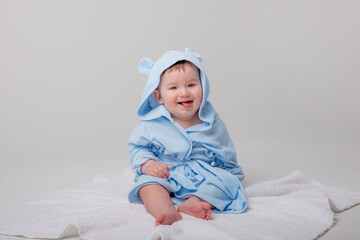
(180, 92)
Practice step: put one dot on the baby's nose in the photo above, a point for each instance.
(185, 92)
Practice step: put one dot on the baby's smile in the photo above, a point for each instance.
(186, 104)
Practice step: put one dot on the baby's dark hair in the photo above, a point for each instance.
(179, 66)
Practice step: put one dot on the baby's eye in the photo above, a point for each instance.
(172, 88)
(191, 85)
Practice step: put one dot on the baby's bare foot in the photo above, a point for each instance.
(196, 208)
(167, 218)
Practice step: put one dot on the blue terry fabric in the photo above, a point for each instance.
(203, 156)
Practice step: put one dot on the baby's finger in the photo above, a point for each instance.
(159, 173)
(167, 174)
(162, 173)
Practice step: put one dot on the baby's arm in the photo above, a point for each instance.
(231, 165)
(225, 154)
(143, 159)
(155, 168)
(138, 147)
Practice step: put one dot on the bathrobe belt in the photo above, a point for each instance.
(196, 173)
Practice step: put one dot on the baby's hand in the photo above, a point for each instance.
(156, 169)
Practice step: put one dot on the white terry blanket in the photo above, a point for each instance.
(293, 207)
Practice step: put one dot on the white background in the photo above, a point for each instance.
(284, 77)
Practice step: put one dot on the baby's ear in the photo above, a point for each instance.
(157, 95)
(145, 66)
(188, 50)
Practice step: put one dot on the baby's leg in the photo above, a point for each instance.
(196, 207)
(158, 203)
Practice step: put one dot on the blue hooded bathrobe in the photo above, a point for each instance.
(203, 157)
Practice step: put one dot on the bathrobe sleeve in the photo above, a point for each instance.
(141, 147)
(226, 157)
(215, 147)
(229, 163)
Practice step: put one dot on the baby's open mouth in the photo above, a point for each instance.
(186, 104)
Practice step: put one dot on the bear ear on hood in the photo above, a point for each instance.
(187, 50)
(145, 66)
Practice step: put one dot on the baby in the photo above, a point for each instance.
(181, 152)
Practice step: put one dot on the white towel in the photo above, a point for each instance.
(293, 207)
